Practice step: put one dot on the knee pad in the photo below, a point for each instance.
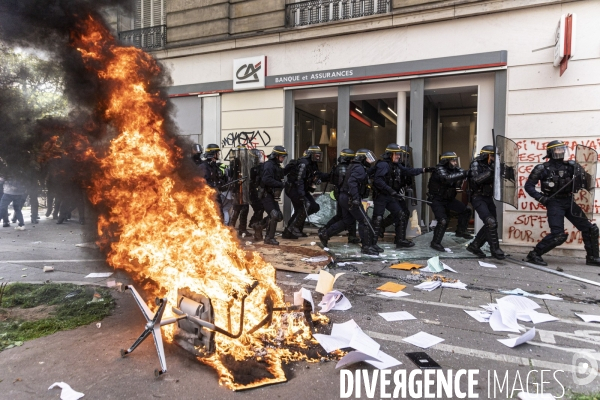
(443, 222)
(560, 239)
(594, 230)
(378, 219)
(491, 223)
(277, 215)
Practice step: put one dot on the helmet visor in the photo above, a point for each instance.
(316, 156)
(559, 152)
(370, 157)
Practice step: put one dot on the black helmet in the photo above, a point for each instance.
(447, 157)
(212, 151)
(278, 151)
(557, 150)
(346, 155)
(391, 149)
(315, 153)
(258, 156)
(405, 153)
(365, 155)
(486, 152)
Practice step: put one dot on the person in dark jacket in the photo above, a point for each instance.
(388, 188)
(481, 190)
(303, 177)
(556, 177)
(337, 178)
(353, 189)
(271, 187)
(442, 185)
(255, 184)
(210, 170)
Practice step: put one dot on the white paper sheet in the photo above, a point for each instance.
(508, 314)
(335, 300)
(589, 318)
(517, 291)
(345, 330)
(538, 318)
(447, 268)
(434, 265)
(480, 316)
(98, 275)
(362, 342)
(342, 264)
(429, 286)
(546, 297)
(331, 343)
(455, 285)
(513, 342)
(490, 307)
(312, 277)
(397, 316)
(519, 303)
(497, 325)
(67, 392)
(423, 340)
(487, 265)
(304, 294)
(401, 293)
(382, 361)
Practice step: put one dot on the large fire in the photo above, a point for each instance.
(164, 230)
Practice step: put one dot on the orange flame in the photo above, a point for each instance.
(167, 232)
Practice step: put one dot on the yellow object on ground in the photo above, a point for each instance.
(406, 266)
(391, 287)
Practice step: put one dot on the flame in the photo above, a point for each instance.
(164, 230)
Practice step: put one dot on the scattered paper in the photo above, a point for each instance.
(326, 248)
(391, 294)
(429, 286)
(535, 396)
(397, 316)
(391, 287)
(520, 292)
(447, 268)
(340, 337)
(312, 277)
(520, 303)
(48, 268)
(67, 393)
(487, 265)
(98, 275)
(434, 265)
(326, 281)
(423, 340)
(304, 294)
(497, 325)
(313, 243)
(508, 314)
(447, 250)
(344, 330)
(343, 264)
(480, 316)
(362, 342)
(546, 297)
(382, 361)
(405, 266)
(513, 342)
(455, 285)
(315, 259)
(538, 318)
(334, 300)
(589, 318)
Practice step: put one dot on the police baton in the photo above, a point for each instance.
(232, 182)
(412, 198)
(559, 190)
(367, 221)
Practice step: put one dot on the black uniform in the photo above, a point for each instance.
(303, 176)
(255, 201)
(442, 193)
(211, 172)
(353, 189)
(481, 190)
(337, 179)
(390, 179)
(554, 175)
(272, 185)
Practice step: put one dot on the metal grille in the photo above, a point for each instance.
(152, 38)
(322, 11)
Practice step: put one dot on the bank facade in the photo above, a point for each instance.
(435, 75)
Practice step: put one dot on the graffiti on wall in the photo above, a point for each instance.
(250, 140)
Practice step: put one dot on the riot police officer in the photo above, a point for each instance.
(271, 187)
(556, 177)
(446, 178)
(388, 186)
(211, 172)
(303, 177)
(256, 173)
(353, 189)
(337, 178)
(481, 190)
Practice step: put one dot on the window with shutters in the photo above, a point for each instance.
(147, 29)
(149, 13)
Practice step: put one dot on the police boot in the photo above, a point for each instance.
(298, 225)
(475, 246)
(366, 242)
(535, 258)
(377, 221)
(242, 231)
(258, 228)
(492, 238)
(438, 235)
(401, 240)
(323, 236)
(387, 221)
(352, 238)
(270, 237)
(463, 222)
(287, 232)
(590, 242)
(234, 217)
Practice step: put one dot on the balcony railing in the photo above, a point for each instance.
(322, 11)
(151, 38)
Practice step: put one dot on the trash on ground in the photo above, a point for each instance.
(334, 300)
(313, 243)
(382, 361)
(111, 283)
(391, 294)
(429, 285)
(520, 292)
(447, 250)
(423, 340)
(406, 266)
(326, 281)
(455, 285)
(303, 294)
(98, 325)
(480, 316)
(589, 318)
(311, 277)
(315, 259)
(422, 360)
(487, 265)
(435, 265)
(343, 264)
(67, 392)
(513, 342)
(48, 268)
(391, 287)
(98, 275)
(397, 316)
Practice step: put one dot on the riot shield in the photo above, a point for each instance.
(240, 164)
(505, 171)
(584, 182)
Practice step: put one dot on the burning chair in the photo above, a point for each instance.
(195, 322)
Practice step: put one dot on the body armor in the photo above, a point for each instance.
(362, 188)
(557, 177)
(482, 178)
(444, 182)
(339, 173)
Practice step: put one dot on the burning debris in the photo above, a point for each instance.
(162, 228)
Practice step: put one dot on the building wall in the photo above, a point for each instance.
(541, 106)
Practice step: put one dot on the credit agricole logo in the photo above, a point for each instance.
(249, 73)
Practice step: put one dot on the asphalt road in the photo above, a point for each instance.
(88, 358)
